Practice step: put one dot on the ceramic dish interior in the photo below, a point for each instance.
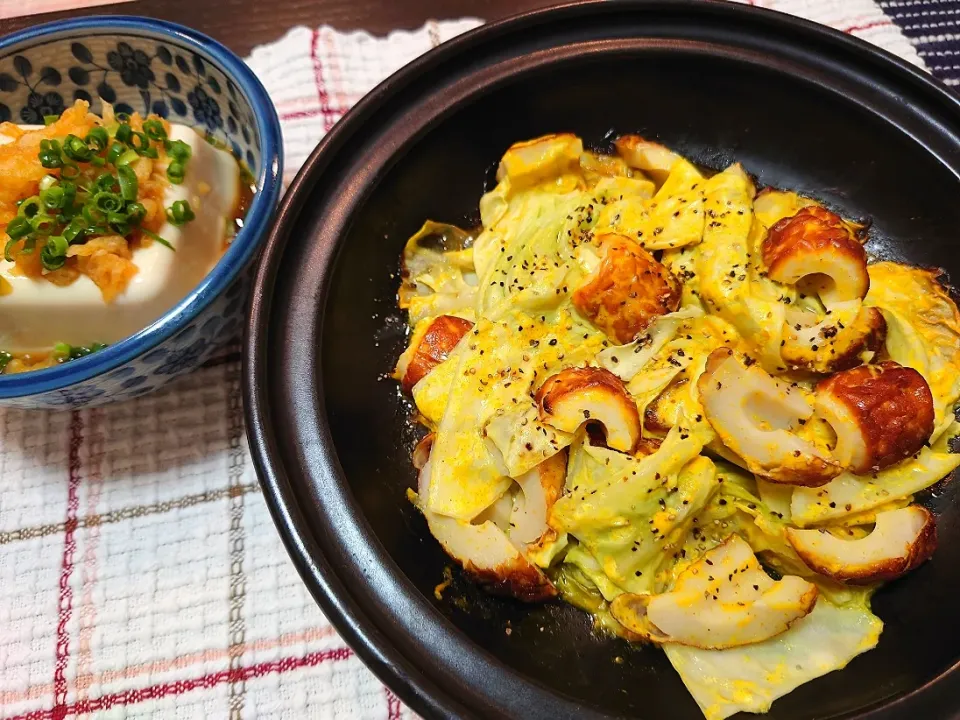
(800, 106)
(147, 66)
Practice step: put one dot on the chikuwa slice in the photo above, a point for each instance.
(576, 396)
(755, 416)
(882, 414)
(900, 541)
(723, 600)
(483, 549)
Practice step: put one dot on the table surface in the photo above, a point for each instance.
(242, 24)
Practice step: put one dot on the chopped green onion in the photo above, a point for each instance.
(5, 359)
(18, 227)
(118, 223)
(162, 241)
(123, 117)
(154, 130)
(175, 172)
(57, 244)
(42, 224)
(69, 194)
(93, 216)
(128, 157)
(50, 159)
(75, 206)
(54, 254)
(179, 150)
(52, 197)
(50, 119)
(75, 230)
(180, 212)
(31, 206)
(97, 138)
(128, 183)
(61, 351)
(77, 149)
(135, 213)
(108, 202)
(105, 181)
(139, 142)
(8, 250)
(114, 153)
(70, 171)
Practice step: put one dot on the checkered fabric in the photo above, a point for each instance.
(140, 573)
(933, 26)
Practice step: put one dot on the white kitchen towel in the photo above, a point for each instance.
(140, 572)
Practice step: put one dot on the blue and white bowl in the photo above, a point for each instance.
(145, 65)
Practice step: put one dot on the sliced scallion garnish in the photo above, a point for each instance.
(162, 241)
(97, 138)
(180, 212)
(114, 153)
(96, 193)
(128, 183)
(175, 172)
(52, 197)
(154, 130)
(30, 207)
(18, 227)
(54, 253)
(77, 149)
(42, 224)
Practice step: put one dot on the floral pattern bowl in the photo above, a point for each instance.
(148, 66)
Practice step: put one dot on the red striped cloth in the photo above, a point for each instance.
(140, 572)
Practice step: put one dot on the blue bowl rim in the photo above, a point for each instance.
(244, 246)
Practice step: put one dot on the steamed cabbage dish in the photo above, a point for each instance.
(106, 223)
(691, 408)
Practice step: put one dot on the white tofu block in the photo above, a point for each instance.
(39, 314)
